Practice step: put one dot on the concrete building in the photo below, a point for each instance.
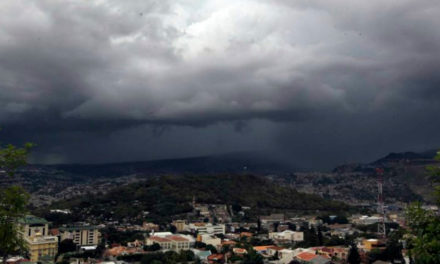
(207, 228)
(367, 220)
(287, 235)
(209, 240)
(270, 219)
(35, 232)
(81, 235)
(150, 226)
(180, 225)
(285, 256)
(170, 242)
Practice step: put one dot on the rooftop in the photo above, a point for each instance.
(306, 256)
(32, 220)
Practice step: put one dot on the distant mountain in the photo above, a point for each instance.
(406, 157)
(241, 162)
(407, 168)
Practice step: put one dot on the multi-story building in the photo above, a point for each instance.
(35, 233)
(209, 240)
(81, 235)
(169, 242)
(179, 224)
(150, 226)
(288, 235)
(207, 228)
(267, 220)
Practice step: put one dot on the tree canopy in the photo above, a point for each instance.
(424, 235)
(13, 200)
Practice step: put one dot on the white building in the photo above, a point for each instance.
(294, 236)
(170, 242)
(368, 220)
(207, 228)
(285, 256)
(209, 240)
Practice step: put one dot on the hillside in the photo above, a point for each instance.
(405, 177)
(170, 195)
(404, 169)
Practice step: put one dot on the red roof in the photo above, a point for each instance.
(159, 239)
(177, 238)
(239, 250)
(262, 248)
(216, 257)
(275, 248)
(306, 256)
(169, 238)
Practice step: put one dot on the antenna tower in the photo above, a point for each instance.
(380, 203)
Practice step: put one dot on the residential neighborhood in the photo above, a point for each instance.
(277, 238)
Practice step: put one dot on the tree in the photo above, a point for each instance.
(13, 200)
(252, 257)
(393, 250)
(312, 237)
(353, 255)
(199, 244)
(154, 247)
(275, 226)
(320, 237)
(211, 248)
(67, 245)
(424, 235)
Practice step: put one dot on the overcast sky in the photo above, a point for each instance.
(318, 82)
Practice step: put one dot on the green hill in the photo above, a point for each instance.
(166, 196)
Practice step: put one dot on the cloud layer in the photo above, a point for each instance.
(86, 67)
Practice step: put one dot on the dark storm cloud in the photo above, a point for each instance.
(298, 76)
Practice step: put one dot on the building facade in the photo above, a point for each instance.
(35, 232)
(81, 235)
(207, 228)
(170, 242)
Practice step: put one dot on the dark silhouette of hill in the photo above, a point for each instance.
(406, 157)
(242, 162)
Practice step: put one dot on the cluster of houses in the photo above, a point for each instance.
(211, 242)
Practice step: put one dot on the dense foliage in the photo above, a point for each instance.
(424, 236)
(353, 255)
(170, 195)
(13, 200)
